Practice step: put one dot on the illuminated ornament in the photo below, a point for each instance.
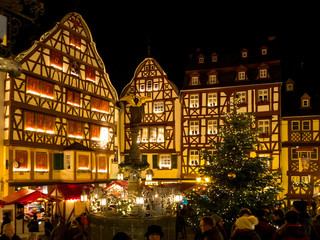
(16, 164)
(231, 175)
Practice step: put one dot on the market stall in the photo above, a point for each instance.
(22, 205)
(70, 205)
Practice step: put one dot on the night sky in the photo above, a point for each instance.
(123, 30)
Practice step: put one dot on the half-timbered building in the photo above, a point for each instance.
(60, 121)
(300, 138)
(159, 139)
(213, 83)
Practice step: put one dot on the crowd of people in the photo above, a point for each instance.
(296, 224)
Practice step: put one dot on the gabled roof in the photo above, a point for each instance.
(24, 196)
(69, 191)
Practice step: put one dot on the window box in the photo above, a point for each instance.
(264, 135)
(265, 102)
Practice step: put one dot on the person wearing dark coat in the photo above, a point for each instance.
(292, 229)
(304, 218)
(278, 218)
(244, 228)
(6, 219)
(265, 230)
(209, 230)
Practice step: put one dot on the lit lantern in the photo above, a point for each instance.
(103, 201)
(120, 175)
(139, 200)
(149, 174)
(84, 196)
(178, 198)
(198, 179)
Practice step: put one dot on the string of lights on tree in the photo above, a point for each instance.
(238, 180)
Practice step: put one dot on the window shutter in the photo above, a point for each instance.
(58, 161)
(174, 161)
(154, 161)
(144, 158)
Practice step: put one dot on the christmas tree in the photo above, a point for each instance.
(238, 180)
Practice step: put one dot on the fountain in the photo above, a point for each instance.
(138, 208)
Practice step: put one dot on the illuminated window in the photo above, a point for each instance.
(263, 96)
(289, 85)
(75, 41)
(263, 73)
(194, 101)
(144, 135)
(38, 122)
(194, 81)
(212, 127)
(264, 51)
(99, 105)
(75, 130)
(158, 107)
(142, 88)
(41, 162)
(73, 98)
(241, 97)
(74, 68)
(156, 86)
(212, 99)
(40, 88)
(194, 127)
(295, 125)
(90, 74)
(99, 133)
(241, 75)
(165, 161)
(194, 158)
(149, 85)
(306, 125)
(213, 79)
(214, 57)
(56, 60)
(264, 126)
(305, 101)
(244, 53)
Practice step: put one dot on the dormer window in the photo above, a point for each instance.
(214, 57)
(194, 79)
(244, 53)
(241, 73)
(305, 101)
(289, 85)
(264, 50)
(263, 71)
(201, 58)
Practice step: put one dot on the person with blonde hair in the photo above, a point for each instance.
(9, 233)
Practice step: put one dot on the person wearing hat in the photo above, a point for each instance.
(154, 232)
(245, 228)
(304, 218)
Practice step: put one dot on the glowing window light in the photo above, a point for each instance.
(56, 66)
(139, 200)
(21, 169)
(83, 168)
(41, 170)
